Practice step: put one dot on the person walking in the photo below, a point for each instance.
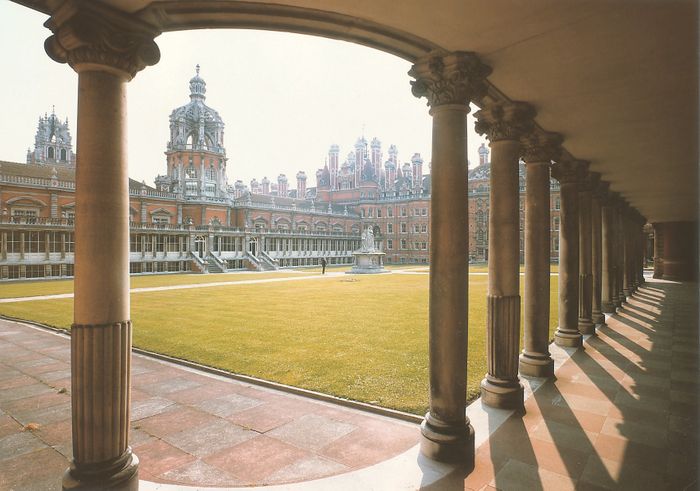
(323, 265)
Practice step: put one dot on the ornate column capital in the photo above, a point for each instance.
(92, 36)
(449, 78)
(573, 170)
(541, 146)
(505, 120)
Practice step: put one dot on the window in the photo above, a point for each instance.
(191, 188)
(390, 212)
(403, 212)
(424, 228)
(390, 228)
(63, 154)
(556, 223)
(424, 212)
(55, 241)
(556, 244)
(34, 242)
(390, 244)
(70, 244)
(135, 244)
(369, 212)
(173, 243)
(557, 203)
(191, 171)
(13, 239)
(25, 212)
(404, 228)
(403, 244)
(379, 212)
(160, 243)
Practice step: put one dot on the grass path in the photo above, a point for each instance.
(359, 337)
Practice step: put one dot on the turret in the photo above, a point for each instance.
(265, 185)
(301, 184)
(333, 165)
(483, 155)
(282, 184)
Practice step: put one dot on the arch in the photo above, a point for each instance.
(63, 154)
(25, 200)
(51, 153)
(186, 15)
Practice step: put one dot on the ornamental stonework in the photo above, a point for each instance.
(449, 78)
(505, 120)
(92, 34)
(541, 146)
(569, 171)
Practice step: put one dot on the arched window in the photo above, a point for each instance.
(191, 171)
(51, 152)
(63, 154)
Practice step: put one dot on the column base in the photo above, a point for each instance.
(536, 365)
(568, 338)
(598, 318)
(586, 326)
(502, 394)
(608, 307)
(120, 474)
(447, 443)
(626, 293)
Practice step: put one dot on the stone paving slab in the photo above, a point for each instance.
(621, 414)
(188, 427)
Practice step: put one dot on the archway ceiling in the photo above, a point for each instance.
(619, 79)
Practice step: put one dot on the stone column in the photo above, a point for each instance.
(540, 149)
(608, 292)
(585, 297)
(504, 124)
(449, 81)
(106, 48)
(599, 190)
(680, 251)
(658, 250)
(568, 173)
(626, 254)
(620, 251)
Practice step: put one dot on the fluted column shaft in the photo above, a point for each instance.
(585, 324)
(597, 259)
(448, 81)
(608, 292)
(106, 48)
(567, 333)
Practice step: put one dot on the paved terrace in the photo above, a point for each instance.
(622, 414)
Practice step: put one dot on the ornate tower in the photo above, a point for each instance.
(333, 165)
(483, 155)
(360, 154)
(196, 155)
(52, 142)
(376, 147)
(417, 168)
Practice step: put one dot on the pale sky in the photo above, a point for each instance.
(285, 98)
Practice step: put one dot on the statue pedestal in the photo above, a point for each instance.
(368, 263)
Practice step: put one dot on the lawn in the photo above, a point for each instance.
(358, 337)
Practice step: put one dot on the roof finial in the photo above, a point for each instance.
(53, 109)
(197, 68)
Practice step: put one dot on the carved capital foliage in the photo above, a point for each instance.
(566, 171)
(505, 120)
(90, 34)
(449, 78)
(541, 146)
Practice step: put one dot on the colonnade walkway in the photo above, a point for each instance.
(621, 414)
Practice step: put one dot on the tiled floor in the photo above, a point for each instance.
(188, 427)
(622, 414)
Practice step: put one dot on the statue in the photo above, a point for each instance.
(368, 240)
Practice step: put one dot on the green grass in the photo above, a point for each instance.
(359, 337)
(34, 288)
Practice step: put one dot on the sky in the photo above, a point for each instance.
(284, 98)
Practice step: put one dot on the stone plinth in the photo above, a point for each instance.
(368, 263)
